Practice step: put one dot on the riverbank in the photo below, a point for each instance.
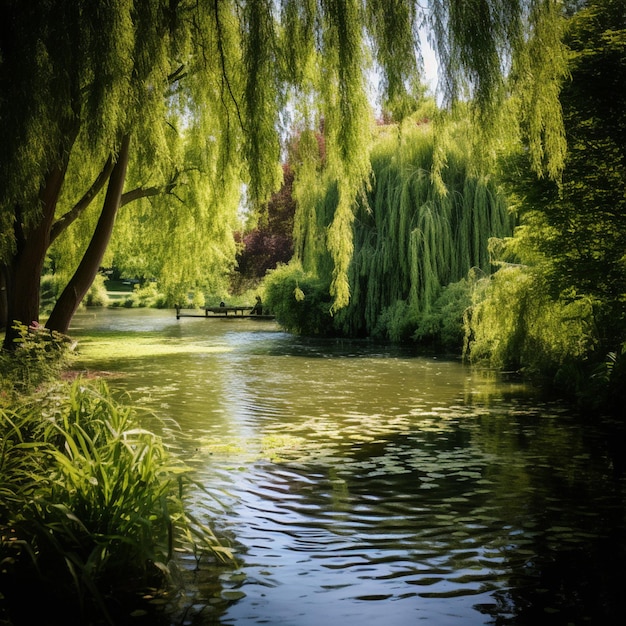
(92, 505)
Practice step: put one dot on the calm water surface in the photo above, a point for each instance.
(362, 484)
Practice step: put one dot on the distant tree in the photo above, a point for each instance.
(411, 239)
(270, 242)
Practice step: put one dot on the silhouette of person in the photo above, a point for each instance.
(257, 309)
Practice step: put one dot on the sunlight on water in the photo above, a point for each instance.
(360, 483)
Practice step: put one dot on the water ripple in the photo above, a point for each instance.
(361, 485)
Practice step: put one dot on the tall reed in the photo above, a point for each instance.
(39, 355)
(90, 502)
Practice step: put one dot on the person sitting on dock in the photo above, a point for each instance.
(257, 309)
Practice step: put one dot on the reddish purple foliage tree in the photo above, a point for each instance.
(271, 242)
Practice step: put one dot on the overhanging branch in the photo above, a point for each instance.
(147, 192)
(74, 213)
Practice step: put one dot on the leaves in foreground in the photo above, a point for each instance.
(91, 504)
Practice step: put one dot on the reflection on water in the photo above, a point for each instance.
(364, 484)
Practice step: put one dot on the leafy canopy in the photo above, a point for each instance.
(79, 75)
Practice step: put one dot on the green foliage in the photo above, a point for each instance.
(40, 355)
(145, 295)
(394, 23)
(52, 285)
(91, 502)
(260, 98)
(396, 322)
(142, 296)
(443, 324)
(51, 55)
(514, 324)
(97, 294)
(203, 89)
(50, 288)
(605, 388)
(539, 69)
(300, 301)
(511, 77)
(411, 238)
(581, 226)
(560, 313)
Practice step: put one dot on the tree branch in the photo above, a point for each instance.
(148, 192)
(139, 192)
(63, 222)
(177, 74)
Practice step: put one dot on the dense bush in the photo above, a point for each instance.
(515, 324)
(141, 296)
(52, 285)
(300, 301)
(97, 294)
(49, 290)
(444, 323)
(397, 322)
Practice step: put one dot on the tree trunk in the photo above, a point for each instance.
(23, 272)
(83, 278)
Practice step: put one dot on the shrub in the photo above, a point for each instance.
(515, 324)
(443, 323)
(197, 299)
(90, 502)
(396, 322)
(49, 290)
(300, 301)
(97, 294)
(142, 296)
(161, 302)
(39, 355)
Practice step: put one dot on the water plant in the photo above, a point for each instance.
(91, 504)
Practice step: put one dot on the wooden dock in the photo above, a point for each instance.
(231, 312)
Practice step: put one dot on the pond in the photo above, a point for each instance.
(363, 484)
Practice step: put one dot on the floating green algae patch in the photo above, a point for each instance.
(138, 346)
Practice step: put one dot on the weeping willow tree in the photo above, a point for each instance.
(511, 81)
(101, 82)
(411, 237)
(193, 248)
(176, 218)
